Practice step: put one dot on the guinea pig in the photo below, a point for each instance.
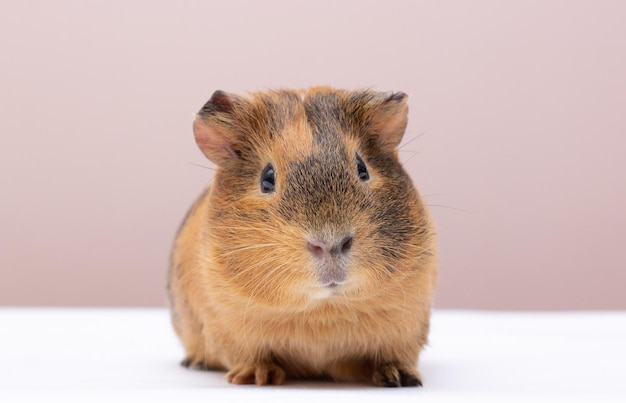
(311, 255)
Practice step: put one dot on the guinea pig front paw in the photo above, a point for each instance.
(194, 363)
(261, 374)
(392, 375)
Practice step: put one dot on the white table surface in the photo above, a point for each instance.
(93, 355)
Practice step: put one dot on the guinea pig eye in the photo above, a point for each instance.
(267, 179)
(362, 169)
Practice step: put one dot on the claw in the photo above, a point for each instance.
(394, 375)
(260, 374)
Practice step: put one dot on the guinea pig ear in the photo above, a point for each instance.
(212, 127)
(390, 119)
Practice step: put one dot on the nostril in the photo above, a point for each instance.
(346, 244)
(315, 249)
(323, 250)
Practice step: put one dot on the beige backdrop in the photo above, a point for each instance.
(521, 104)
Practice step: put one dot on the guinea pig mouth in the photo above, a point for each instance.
(332, 274)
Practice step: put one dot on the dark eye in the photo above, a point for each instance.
(267, 179)
(362, 169)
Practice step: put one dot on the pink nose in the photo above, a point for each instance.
(321, 249)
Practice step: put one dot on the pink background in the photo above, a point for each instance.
(522, 106)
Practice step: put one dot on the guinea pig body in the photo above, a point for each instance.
(312, 254)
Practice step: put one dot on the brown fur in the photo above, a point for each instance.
(244, 289)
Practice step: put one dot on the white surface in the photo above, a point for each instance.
(91, 355)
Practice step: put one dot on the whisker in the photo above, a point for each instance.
(250, 269)
(244, 228)
(411, 157)
(201, 166)
(208, 183)
(230, 251)
(448, 207)
(401, 146)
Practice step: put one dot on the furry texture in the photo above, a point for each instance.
(245, 289)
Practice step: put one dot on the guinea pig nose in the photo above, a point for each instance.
(346, 244)
(319, 249)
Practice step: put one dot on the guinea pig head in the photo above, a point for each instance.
(309, 201)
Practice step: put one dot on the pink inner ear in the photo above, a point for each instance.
(213, 142)
(223, 101)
